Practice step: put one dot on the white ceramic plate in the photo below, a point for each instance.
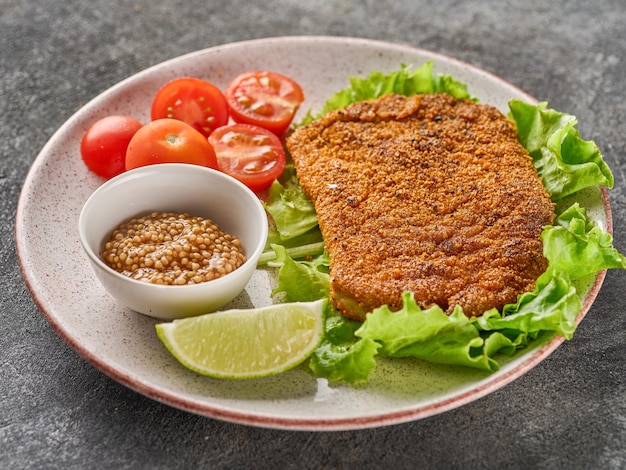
(123, 344)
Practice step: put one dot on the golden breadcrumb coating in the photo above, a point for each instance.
(428, 194)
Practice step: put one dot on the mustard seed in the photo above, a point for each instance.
(172, 249)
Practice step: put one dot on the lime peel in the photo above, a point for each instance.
(249, 343)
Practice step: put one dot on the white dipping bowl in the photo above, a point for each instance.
(173, 187)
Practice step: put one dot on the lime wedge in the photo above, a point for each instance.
(242, 344)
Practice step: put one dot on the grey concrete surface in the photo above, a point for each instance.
(58, 411)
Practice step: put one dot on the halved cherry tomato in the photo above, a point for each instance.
(264, 99)
(198, 103)
(251, 154)
(169, 141)
(103, 146)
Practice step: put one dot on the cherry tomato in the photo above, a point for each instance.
(198, 103)
(264, 99)
(103, 145)
(169, 141)
(251, 154)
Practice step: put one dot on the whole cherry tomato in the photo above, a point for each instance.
(103, 146)
(251, 154)
(169, 141)
(264, 99)
(198, 103)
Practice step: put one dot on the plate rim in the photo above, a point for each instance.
(264, 420)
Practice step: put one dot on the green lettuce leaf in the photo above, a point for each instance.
(302, 281)
(292, 211)
(427, 334)
(305, 246)
(341, 356)
(565, 162)
(406, 81)
(575, 245)
(552, 306)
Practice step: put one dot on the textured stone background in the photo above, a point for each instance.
(57, 411)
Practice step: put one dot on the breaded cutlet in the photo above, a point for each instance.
(427, 194)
